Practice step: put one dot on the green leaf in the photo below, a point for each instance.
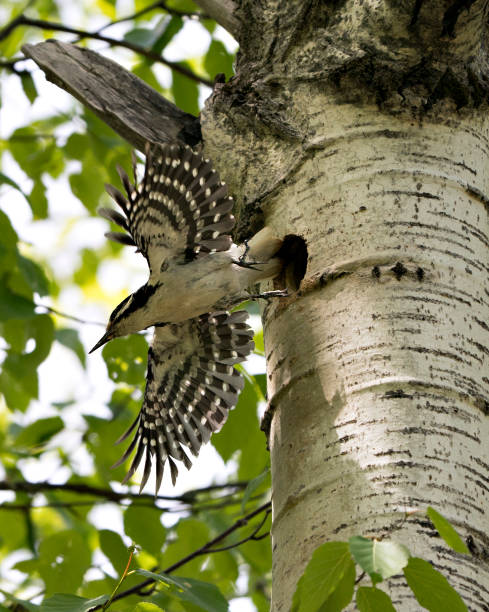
(8, 244)
(372, 599)
(70, 339)
(87, 185)
(38, 200)
(143, 526)
(41, 329)
(380, 559)
(114, 549)
(447, 532)
(64, 558)
(252, 449)
(343, 593)
(190, 535)
(202, 594)
(185, 91)
(324, 572)
(28, 86)
(218, 60)
(22, 602)
(140, 36)
(13, 534)
(432, 589)
(41, 154)
(172, 27)
(71, 603)
(13, 306)
(252, 486)
(39, 432)
(146, 606)
(126, 358)
(4, 179)
(33, 274)
(18, 381)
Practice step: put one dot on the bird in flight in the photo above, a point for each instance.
(178, 217)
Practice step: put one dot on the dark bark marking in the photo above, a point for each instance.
(452, 14)
(396, 394)
(399, 270)
(416, 11)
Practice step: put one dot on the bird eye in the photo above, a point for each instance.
(164, 265)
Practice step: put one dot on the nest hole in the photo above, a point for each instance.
(294, 253)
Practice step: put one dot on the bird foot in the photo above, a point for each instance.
(269, 295)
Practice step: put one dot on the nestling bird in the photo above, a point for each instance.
(178, 217)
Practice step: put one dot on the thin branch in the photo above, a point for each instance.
(10, 65)
(252, 536)
(109, 494)
(203, 550)
(68, 316)
(225, 501)
(58, 27)
(148, 9)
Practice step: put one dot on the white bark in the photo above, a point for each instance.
(379, 375)
(363, 136)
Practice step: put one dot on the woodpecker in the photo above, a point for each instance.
(178, 217)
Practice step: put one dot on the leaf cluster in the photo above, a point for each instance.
(329, 580)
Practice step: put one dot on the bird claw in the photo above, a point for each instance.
(246, 264)
(242, 263)
(268, 295)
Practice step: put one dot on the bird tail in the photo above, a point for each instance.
(262, 249)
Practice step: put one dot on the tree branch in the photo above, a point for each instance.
(222, 11)
(115, 42)
(131, 107)
(109, 494)
(162, 5)
(205, 549)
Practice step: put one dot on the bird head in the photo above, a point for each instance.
(130, 316)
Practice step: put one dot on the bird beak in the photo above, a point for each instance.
(105, 338)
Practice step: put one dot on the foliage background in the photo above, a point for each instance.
(65, 521)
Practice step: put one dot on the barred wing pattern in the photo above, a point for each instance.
(179, 210)
(191, 386)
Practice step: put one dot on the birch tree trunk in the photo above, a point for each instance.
(362, 127)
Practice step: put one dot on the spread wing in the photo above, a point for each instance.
(191, 386)
(179, 210)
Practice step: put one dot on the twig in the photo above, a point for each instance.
(109, 494)
(203, 550)
(107, 604)
(161, 4)
(252, 536)
(58, 27)
(225, 501)
(68, 316)
(10, 65)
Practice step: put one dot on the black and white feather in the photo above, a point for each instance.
(191, 386)
(179, 209)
